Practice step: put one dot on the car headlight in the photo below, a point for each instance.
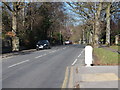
(37, 45)
(45, 44)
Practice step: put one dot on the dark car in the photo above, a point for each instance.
(43, 44)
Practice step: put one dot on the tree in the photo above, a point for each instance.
(108, 23)
(112, 9)
(17, 6)
(90, 12)
(97, 25)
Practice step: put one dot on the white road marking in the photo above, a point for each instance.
(74, 62)
(79, 55)
(64, 48)
(53, 51)
(58, 49)
(44, 54)
(77, 59)
(39, 56)
(18, 63)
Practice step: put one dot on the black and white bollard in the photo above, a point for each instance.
(88, 56)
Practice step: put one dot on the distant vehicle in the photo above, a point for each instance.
(68, 42)
(43, 44)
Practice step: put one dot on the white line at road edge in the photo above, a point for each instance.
(18, 63)
(79, 55)
(74, 62)
(77, 59)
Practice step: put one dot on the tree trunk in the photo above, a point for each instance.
(15, 39)
(83, 36)
(117, 39)
(108, 24)
(90, 38)
(97, 26)
(96, 36)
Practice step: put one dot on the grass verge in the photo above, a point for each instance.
(107, 57)
(114, 47)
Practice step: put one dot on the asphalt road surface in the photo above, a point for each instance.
(40, 69)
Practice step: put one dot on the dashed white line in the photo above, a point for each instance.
(18, 63)
(44, 54)
(39, 56)
(53, 51)
(58, 49)
(64, 48)
(74, 62)
(79, 55)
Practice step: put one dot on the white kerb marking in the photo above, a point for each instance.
(18, 63)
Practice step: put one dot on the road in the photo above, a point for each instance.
(40, 69)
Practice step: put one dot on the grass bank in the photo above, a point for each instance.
(106, 57)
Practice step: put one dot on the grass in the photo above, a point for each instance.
(114, 47)
(106, 57)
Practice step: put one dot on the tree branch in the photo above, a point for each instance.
(7, 6)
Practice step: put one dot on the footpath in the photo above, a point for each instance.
(92, 78)
(17, 53)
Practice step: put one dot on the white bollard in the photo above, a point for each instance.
(88, 55)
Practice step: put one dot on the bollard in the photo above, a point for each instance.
(88, 55)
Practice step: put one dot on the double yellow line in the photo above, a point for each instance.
(68, 79)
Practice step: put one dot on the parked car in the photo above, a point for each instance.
(68, 42)
(43, 44)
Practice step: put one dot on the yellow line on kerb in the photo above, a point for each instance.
(70, 85)
(65, 79)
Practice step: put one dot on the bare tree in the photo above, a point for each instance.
(97, 24)
(108, 23)
(90, 12)
(14, 8)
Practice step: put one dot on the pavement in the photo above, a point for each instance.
(92, 77)
(17, 53)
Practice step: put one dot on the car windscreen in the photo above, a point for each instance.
(43, 42)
